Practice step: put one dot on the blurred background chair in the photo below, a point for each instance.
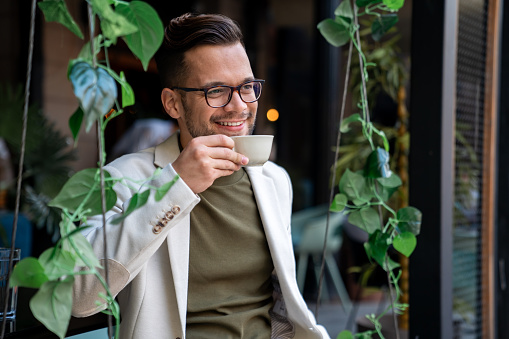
(302, 217)
(308, 232)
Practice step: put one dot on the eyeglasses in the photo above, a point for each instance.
(220, 96)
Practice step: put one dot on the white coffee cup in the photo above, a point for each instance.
(255, 147)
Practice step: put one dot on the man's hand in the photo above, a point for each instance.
(207, 158)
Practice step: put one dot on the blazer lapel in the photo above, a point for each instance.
(270, 213)
(167, 151)
(279, 241)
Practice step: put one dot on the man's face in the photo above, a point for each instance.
(210, 66)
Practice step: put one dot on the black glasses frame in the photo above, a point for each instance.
(232, 88)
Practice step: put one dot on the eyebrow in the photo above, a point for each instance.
(222, 83)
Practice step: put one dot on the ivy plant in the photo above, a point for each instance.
(90, 192)
(363, 194)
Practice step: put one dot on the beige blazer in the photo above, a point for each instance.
(148, 253)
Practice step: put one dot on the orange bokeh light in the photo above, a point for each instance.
(272, 114)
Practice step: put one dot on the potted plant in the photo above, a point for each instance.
(47, 164)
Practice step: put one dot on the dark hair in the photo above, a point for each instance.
(187, 31)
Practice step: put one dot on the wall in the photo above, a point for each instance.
(59, 102)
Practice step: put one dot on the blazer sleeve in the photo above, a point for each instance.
(132, 242)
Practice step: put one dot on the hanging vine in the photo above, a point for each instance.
(363, 194)
(90, 191)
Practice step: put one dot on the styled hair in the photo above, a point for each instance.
(187, 31)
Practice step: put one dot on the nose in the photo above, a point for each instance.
(236, 104)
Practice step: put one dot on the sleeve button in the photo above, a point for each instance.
(169, 216)
(157, 229)
(175, 209)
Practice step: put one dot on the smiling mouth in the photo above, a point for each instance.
(225, 123)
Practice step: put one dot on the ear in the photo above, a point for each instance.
(170, 100)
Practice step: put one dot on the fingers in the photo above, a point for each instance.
(207, 158)
(218, 147)
(225, 156)
(217, 140)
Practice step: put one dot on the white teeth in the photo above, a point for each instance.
(230, 123)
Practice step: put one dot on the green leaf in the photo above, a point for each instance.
(344, 10)
(376, 247)
(382, 24)
(157, 172)
(409, 220)
(339, 203)
(57, 11)
(146, 41)
(394, 4)
(345, 22)
(52, 304)
(335, 34)
(345, 335)
(127, 91)
(366, 219)
(83, 248)
(28, 273)
(353, 185)
(405, 243)
(81, 184)
(377, 164)
(362, 3)
(113, 24)
(137, 200)
(95, 89)
(86, 50)
(66, 225)
(390, 264)
(161, 191)
(57, 263)
(383, 136)
(73, 229)
(75, 123)
(393, 181)
(71, 64)
(345, 124)
(388, 186)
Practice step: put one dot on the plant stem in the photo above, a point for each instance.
(369, 11)
(336, 156)
(100, 141)
(368, 133)
(108, 65)
(381, 201)
(366, 124)
(100, 136)
(391, 293)
(21, 162)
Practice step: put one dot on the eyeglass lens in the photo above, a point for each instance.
(221, 95)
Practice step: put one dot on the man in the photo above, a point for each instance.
(214, 257)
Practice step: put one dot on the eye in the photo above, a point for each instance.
(247, 87)
(216, 92)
